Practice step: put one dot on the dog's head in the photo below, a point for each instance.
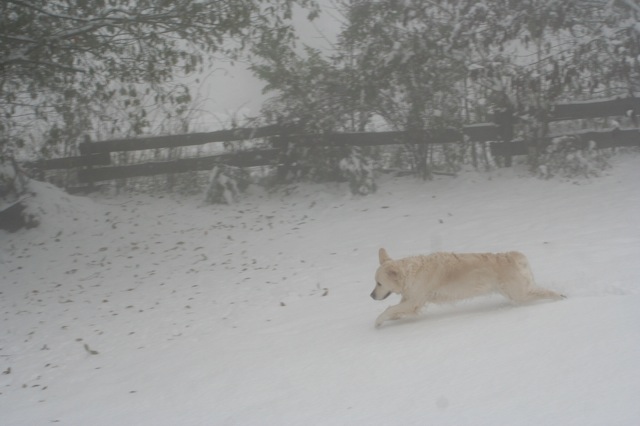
(388, 277)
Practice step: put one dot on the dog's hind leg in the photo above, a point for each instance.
(395, 312)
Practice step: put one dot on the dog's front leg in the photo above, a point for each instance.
(398, 311)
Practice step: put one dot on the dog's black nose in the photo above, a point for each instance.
(373, 295)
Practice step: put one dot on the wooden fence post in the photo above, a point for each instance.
(505, 120)
(282, 142)
(85, 150)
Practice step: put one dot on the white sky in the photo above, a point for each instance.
(231, 91)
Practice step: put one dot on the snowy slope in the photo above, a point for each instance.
(136, 310)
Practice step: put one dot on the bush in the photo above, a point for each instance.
(358, 170)
(14, 190)
(569, 156)
(328, 164)
(225, 184)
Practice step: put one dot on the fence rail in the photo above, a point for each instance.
(94, 163)
(595, 109)
(602, 138)
(239, 159)
(176, 141)
(103, 159)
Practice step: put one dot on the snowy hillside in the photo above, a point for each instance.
(134, 310)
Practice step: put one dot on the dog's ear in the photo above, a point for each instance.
(383, 256)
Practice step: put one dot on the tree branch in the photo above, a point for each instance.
(18, 39)
(41, 63)
(44, 11)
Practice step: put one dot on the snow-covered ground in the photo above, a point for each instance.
(134, 310)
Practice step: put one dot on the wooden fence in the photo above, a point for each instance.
(95, 163)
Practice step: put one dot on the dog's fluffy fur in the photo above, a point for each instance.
(447, 277)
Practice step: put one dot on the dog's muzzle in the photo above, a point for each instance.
(374, 297)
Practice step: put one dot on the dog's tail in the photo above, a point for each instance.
(543, 293)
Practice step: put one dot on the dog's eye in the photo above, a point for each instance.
(378, 284)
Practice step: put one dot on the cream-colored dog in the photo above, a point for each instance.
(447, 277)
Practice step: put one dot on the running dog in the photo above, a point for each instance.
(448, 277)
